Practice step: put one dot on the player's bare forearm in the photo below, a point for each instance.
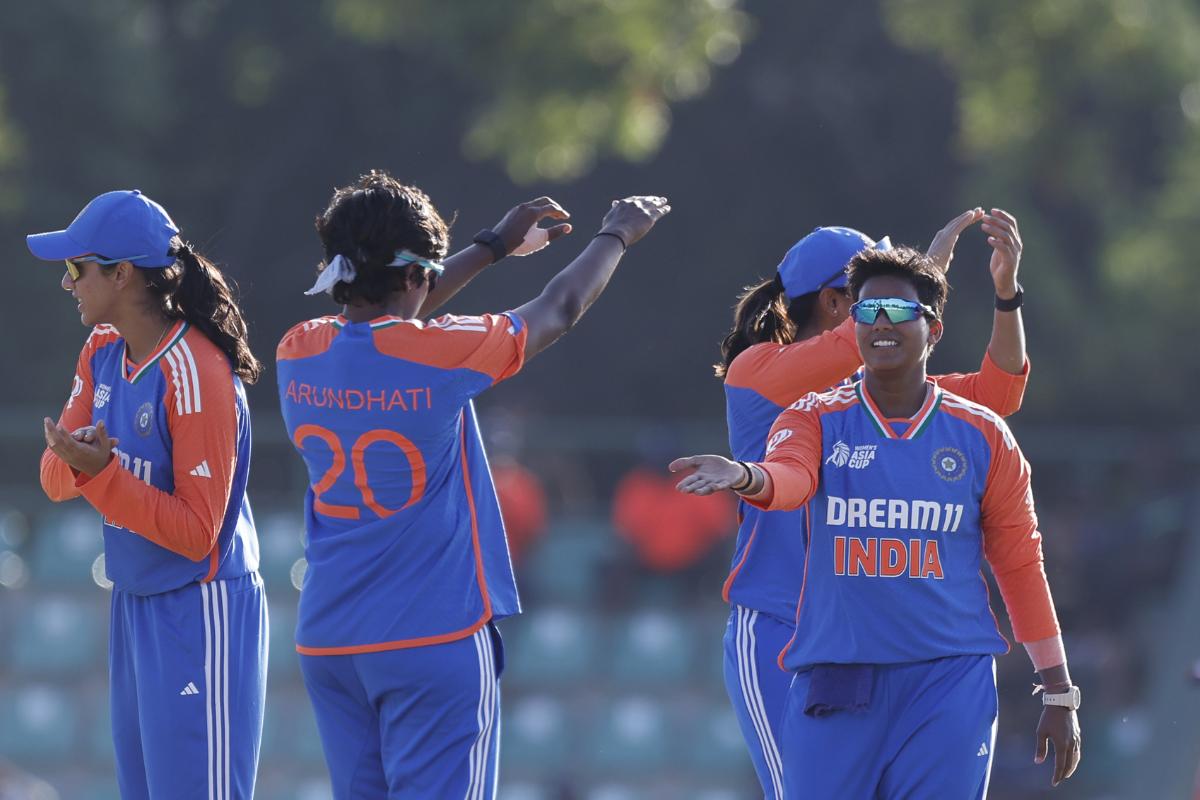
(461, 269)
(1007, 346)
(569, 294)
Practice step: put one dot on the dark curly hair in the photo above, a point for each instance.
(367, 222)
(905, 263)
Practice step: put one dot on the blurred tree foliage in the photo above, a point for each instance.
(1084, 116)
(1078, 115)
(560, 82)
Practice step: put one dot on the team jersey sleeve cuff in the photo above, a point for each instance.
(1046, 653)
(92, 486)
(791, 487)
(989, 365)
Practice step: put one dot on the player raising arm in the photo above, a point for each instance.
(156, 436)
(908, 488)
(408, 566)
(793, 335)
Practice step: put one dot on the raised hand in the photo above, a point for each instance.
(1001, 229)
(633, 217)
(87, 450)
(520, 231)
(707, 474)
(941, 249)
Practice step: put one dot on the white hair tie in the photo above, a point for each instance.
(338, 269)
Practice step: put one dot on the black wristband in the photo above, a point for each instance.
(749, 480)
(491, 240)
(616, 236)
(1013, 303)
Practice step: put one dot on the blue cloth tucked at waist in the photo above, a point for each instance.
(839, 687)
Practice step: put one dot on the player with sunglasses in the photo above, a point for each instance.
(156, 436)
(791, 336)
(909, 488)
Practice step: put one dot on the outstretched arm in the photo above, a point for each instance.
(569, 294)
(520, 234)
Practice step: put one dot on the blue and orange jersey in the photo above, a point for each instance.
(764, 380)
(405, 543)
(173, 497)
(901, 515)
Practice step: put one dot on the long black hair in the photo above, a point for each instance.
(368, 222)
(195, 290)
(763, 314)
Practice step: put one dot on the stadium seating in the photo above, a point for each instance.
(280, 544)
(41, 724)
(59, 635)
(551, 647)
(65, 544)
(653, 647)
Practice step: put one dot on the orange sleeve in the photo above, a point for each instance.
(783, 373)
(58, 477)
(991, 386)
(793, 458)
(204, 440)
(1012, 544)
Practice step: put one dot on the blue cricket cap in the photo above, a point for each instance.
(819, 259)
(123, 224)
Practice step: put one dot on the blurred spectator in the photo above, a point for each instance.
(519, 491)
(669, 531)
(522, 503)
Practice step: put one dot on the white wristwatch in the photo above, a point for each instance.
(1068, 699)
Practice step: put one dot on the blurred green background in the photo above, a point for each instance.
(760, 121)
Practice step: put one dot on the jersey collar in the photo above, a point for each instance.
(340, 322)
(917, 422)
(134, 374)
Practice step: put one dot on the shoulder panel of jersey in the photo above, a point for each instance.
(993, 427)
(309, 338)
(493, 344)
(190, 359)
(101, 336)
(836, 399)
(783, 372)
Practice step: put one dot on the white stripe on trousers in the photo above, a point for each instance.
(485, 716)
(215, 599)
(752, 695)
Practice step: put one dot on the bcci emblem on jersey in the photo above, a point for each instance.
(143, 419)
(949, 463)
(862, 456)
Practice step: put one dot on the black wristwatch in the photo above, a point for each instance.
(1013, 303)
(491, 240)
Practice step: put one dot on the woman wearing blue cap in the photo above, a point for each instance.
(156, 436)
(792, 335)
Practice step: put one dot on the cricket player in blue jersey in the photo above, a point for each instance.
(909, 488)
(156, 436)
(793, 335)
(408, 566)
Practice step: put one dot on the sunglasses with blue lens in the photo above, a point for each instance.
(897, 309)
